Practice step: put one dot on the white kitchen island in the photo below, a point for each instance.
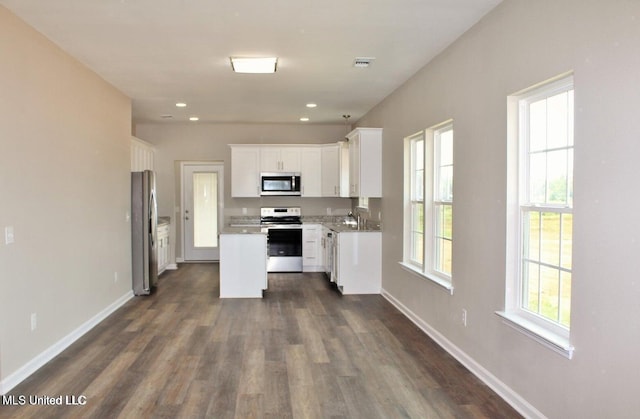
(243, 262)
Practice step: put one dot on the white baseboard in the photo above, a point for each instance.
(179, 260)
(504, 391)
(47, 355)
(172, 267)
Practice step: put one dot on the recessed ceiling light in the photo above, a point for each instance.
(181, 105)
(194, 118)
(304, 119)
(166, 116)
(254, 65)
(311, 105)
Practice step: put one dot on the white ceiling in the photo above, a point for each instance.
(159, 52)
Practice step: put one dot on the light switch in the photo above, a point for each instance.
(8, 235)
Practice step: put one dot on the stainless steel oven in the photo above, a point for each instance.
(284, 238)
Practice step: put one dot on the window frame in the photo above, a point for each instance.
(550, 333)
(430, 179)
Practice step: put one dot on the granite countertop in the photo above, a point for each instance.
(349, 228)
(251, 224)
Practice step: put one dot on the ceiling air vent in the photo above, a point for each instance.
(362, 62)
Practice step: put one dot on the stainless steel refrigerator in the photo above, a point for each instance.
(143, 232)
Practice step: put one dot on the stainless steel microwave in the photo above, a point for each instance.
(280, 184)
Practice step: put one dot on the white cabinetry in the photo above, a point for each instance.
(335, 170)
(279, 159)
(162, 238)
(311, 171)
(243, 265)
(245, 172)
(142, 155)
(358, 262)
(365, 162)
(312, 255)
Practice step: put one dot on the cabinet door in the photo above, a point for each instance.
(279, 159)
(365, 162)
(311, 171)
(270, 159)
(330, 182)
(245, 172)
(311, 250)
(354, 166)
(290, 159)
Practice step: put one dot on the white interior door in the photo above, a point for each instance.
(202, 186)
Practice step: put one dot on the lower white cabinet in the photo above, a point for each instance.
(243, 265)
(312, 255)
(358, 264)
(162, 238)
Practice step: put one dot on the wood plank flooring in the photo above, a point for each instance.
(303, 351)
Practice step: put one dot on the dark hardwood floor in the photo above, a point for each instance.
(304, 351)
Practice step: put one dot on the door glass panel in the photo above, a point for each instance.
(205, 209)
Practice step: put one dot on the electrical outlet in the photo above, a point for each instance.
(328, 211)
(115, 277)
(464, 317)
(34, 321)
(244, 211)
(8, 235)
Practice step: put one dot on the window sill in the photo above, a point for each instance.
(432, 278)
(553, 341)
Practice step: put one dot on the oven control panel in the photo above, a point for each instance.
(280, 212)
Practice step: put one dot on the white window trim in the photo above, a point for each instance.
(541, 330)
(407, 230)
(426, 270)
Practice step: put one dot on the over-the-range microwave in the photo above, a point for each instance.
(280, 184)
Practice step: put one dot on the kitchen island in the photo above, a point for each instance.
(350, 255)
(243, 262)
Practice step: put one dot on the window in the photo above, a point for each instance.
(443, 199)
(429, 203)
(541, 225)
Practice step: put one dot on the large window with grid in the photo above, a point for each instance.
(428, 217)
(541, 276)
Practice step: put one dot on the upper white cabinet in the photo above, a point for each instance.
(335, 170)
(279, 159)
(245, 171)
(365, 162)
(311, 171)
(142, 155)
(323, 168)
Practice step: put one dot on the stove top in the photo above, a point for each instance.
(280, 215)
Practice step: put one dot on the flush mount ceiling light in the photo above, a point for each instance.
(181, 105)
(363, 62)
(311, 105)
(304, 119)
(260, 65)
(194, 118)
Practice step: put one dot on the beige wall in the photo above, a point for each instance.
(181, 142)
(521, 43)
(64, 187)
